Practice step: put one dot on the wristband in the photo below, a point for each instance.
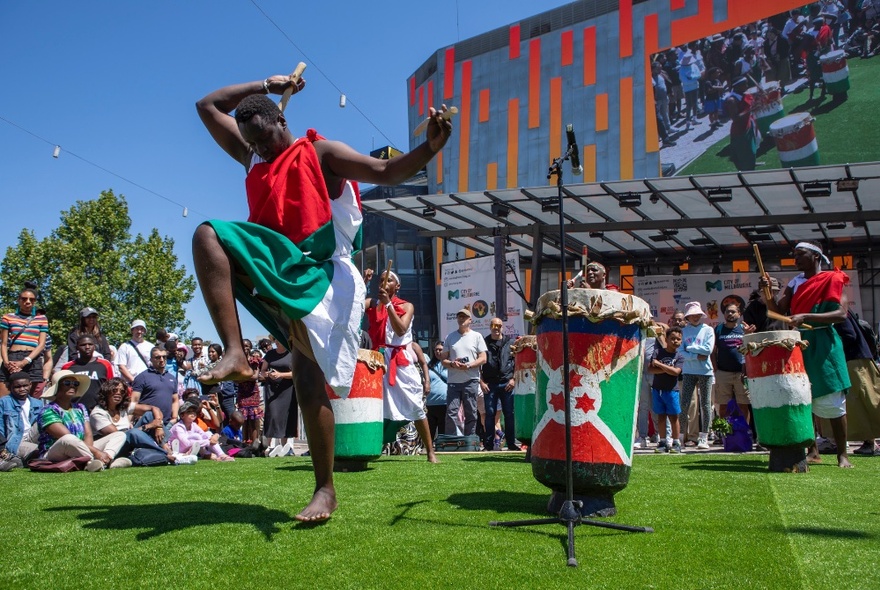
(266, 85)
(389, 305)
(28, 359)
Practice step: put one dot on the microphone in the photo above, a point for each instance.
(576, 168)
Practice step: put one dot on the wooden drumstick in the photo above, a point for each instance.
(768, 295)
(784, 318)
(294, 80)
(424, 124)
(386, 274)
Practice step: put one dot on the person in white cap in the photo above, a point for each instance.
(464, 352)
(698, 342)
(132, 356)
(816, 298)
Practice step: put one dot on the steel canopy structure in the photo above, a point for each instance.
(696, 219)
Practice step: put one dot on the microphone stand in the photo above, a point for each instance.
(570, 513)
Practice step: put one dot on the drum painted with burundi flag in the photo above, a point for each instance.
(780, 391)
(605, 335)
(835, 72)
(796, 140)
(768, 104)
(359, 415)
(525, 356)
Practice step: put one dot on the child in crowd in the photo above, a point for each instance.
(191, 439)
(666, 367)
(232, 431)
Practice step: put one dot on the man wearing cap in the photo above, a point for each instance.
(744, 135)
(132, 356)
(816, 298)
(697, 345)
(391, 329)
(463, 352)
(593, 279)
(98, 370)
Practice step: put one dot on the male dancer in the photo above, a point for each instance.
(816, 297)
(391, 329)
(290, 264)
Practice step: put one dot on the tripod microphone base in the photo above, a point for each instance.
(589, 506)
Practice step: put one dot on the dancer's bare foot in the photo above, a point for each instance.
(323, 504)
(432, 457)
(843, 461)
(230, 368)
(813, 456)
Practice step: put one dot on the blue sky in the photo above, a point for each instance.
(116, 82)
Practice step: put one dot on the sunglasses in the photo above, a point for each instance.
(159, 357)
(69, 383)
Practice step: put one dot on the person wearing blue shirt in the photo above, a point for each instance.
(18, 411)
(698, 342)
(435, 404)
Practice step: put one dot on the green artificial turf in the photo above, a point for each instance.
(721, 521)
(846, 132)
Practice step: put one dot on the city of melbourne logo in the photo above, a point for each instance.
(452, 295)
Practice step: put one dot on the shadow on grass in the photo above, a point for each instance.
(497, 458)
(299, 467)
(754, 466)
(502, 502)
(164, 518)
(823, 532)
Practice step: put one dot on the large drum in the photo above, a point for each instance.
(835, 72)
(359, 415)
(781, 397)
(795, 140)
(525, 355)
(767, 104)
(605, 337)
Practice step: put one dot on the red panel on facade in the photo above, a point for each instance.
(449, 74)
(626, 28)
(514, 42)
(567, 48)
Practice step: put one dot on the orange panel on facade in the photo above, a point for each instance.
(484, 106)
(740, 266)
(588, 161)
(534, 83)
(627, 160)
(555, 130)
(652, 45)
(589, 56)
(601, 112)
(491, 176)
(464, 127)
(512, 142)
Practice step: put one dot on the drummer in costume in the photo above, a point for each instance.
(290, 264)
(391, 329)
(593, 279)
(815, 297)
(744, 134)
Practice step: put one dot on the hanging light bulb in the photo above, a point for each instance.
(341, 101)
(56, 151)
(185, 211)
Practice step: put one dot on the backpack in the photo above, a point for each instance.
(869, 334)
(144, 457)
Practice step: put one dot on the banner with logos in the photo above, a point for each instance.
(471, 284)
(665, 294)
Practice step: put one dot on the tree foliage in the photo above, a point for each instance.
(91, 259)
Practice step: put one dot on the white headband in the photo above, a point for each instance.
(812, 248)
(392, 275)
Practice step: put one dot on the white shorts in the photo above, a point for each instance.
(830, 406)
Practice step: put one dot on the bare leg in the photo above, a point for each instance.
(321, 431)
(214, 271)
(425, 434)
(838, 429)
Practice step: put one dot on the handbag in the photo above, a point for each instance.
(145, 457)
(451, 442)
(46, 466)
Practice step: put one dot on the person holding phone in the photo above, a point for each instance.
(464, 352)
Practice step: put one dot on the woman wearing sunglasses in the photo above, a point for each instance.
(64, 427)
(22, 339)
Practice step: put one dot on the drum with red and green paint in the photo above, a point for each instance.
(525, 351)
(605, 371)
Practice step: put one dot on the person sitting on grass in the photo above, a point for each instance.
(64, 430)
(111, 415)
(209, 410)
(18, 411)
(232, 431)
(666, 365)
(190, 439)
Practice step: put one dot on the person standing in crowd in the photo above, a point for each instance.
(665, 365)
(22, 339)
(755, 313)
(281, 417)
(690, 75)
(131, 358)
(435, 404)
(776, 52)
(88, 324)
(729, 363)
(390, 320)
(198, 359)
(698, 342)
(464, 351)
(98, 370)
(18, 411)
(157, 387)
(247, 397)
(744, 134)
(815, 297)
(863, 398)
(496, 381)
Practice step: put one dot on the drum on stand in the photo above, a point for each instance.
(606, 333)
(767, 104)
(781, 396)
(796, 140)
(359, 415)
(525, 355)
